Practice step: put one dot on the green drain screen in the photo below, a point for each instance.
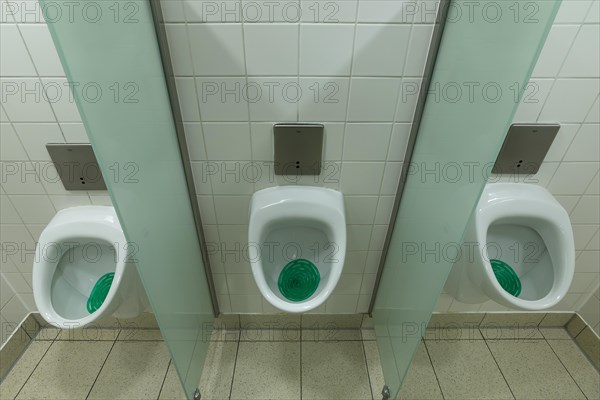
(99, 292)
(298, 280)
(507, 277)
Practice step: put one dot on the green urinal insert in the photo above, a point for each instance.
(99, 292)
(507, 277)
(298, 280)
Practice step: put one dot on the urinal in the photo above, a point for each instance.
(83, 270)
(519, 250)
(297, 245)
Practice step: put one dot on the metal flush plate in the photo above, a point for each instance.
(77, 166)
(525, 148)
(298, 148)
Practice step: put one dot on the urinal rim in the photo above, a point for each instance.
(534, 202)
(62, 231)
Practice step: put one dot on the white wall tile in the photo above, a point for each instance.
(17, 282)
(417, 50)
(341, 304)
(581, 94)
(594, 187)
(242, 284)
(232, 209)
(58, 93)
(323, 99)
(583, 234)
(587, 211)
(195, 141)
(407, 99)
(222, 99)
(366, 142)
(584, 58)
(101, 200)
(561, 142)
(243, 304)
(361, 177)
(34, 209)
(21, 177)
(10, 145)
(15, 60)
(593, 16)
(8, 214)
(555, 50)
(399, 142)
(594, 243)
(14, 311)
(261, 134)
(380, 50)
(35, 137)
(572, 178)
(358, 237)
(355, 261)
(24, 100)
(74, 132)
(373, 99)
(385, 11)
(6, 292)
(568, 202)
(172, 10)
(588, 261)
(273, 99)
(217, 49)
(594, 114)
(41, 47)
(326, 11)
(206, 206)
(227, 141)
(334, 137)
(384, 210)
(572, 11)
(326, 49)
(391, 177)
(281, 11)
(61, 202)
(179, 48)
(186, 90)
(360, 209)
(210, 11)
(378, 237)
(586, 145)
(534, 96)
(279, 57)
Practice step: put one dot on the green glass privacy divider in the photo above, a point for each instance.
(110, 54)
(487, 53)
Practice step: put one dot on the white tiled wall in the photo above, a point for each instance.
(30, 190)
(564, 88)
(590, 311)
(352, 61)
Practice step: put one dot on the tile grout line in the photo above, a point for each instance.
(367, 366)
(565, 367)
(237, 351)
(102, 367)
(433, 368)
(34, 368)
(164, 379)
(499, 369)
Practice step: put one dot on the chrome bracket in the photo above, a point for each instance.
(197, 395)
(385, 392)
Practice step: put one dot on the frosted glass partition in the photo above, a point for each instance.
(110, 54)
(487, 54)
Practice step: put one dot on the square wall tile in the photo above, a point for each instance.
(59, 95)
(586, 145)
(373, 99)
(195, 141)
(261, 134)
(179, 47)
(360, 210)
(188, 101)
(271, 49)
(327, 11)
(326, 49)
(380, 50)
(323, 99)
(417, 50)
(385, 11)
(361, 177)
(232, 209)
(217, 49)
(222, 99)
(14, 56)
(367, 142)
(273, 98)
(11, 147)
(572, 178)
(228, 11)
(35, 137)
(227, 141)
(555, 50)
(42, 49)
(34, 209)
(74, 132)
(407, 99)
(582, 94)
(534, 96)
(572, 11)
(561, 142)
(587, 211)
(584, 58)
(24, 100)
(282, 11)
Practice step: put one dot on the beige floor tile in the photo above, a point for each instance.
(225, 335)
(267, 370)
(453, 333)
(368, 334)
(555, 333)
(331, 321)
(18, 375)
(533, 371)
(171, 389)
(270, 321)
(575, 325)
(133, 370)
(140, 334)
(90, 334)
(217, 374)
(333, 335)
(582, 371)
(374, 368)
(420, 381)
(458, 320)
(556, 320)
(521, 333)
(334, 370)
(590, 345)
(227, 321)
(467, 370)
(270, 335)
(67, 371)
(13, 349)
(523, 319)
(48, 333)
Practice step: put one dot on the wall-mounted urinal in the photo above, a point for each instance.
(297, 245)
(518, 250)
(83, 270)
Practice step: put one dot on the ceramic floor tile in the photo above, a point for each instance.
(171, 388)
(459, 320)
(324, 335)
(467, 370)
(334, 370)
(453, 333)
(267, 370)
(13, 348)
(374, 368)
(555, 333)
(575, 325)
(217, 374)
(582, 371)
(67, 371)
(533, 371)
(590, 345)
(556, 320)
(140, 334)
(133, 370)
(420, 381)
(48, 333)
(18, 375)
(90, 334)
(521, 333)
(225, 335)
(270, 335)
(368, 334)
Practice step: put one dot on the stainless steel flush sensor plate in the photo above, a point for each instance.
(298, 148)
(77, 166)
(525, 148)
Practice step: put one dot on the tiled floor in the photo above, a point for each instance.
(459, 364)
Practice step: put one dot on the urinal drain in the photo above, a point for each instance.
(99, 292)
(298, 280)
(507, 277)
